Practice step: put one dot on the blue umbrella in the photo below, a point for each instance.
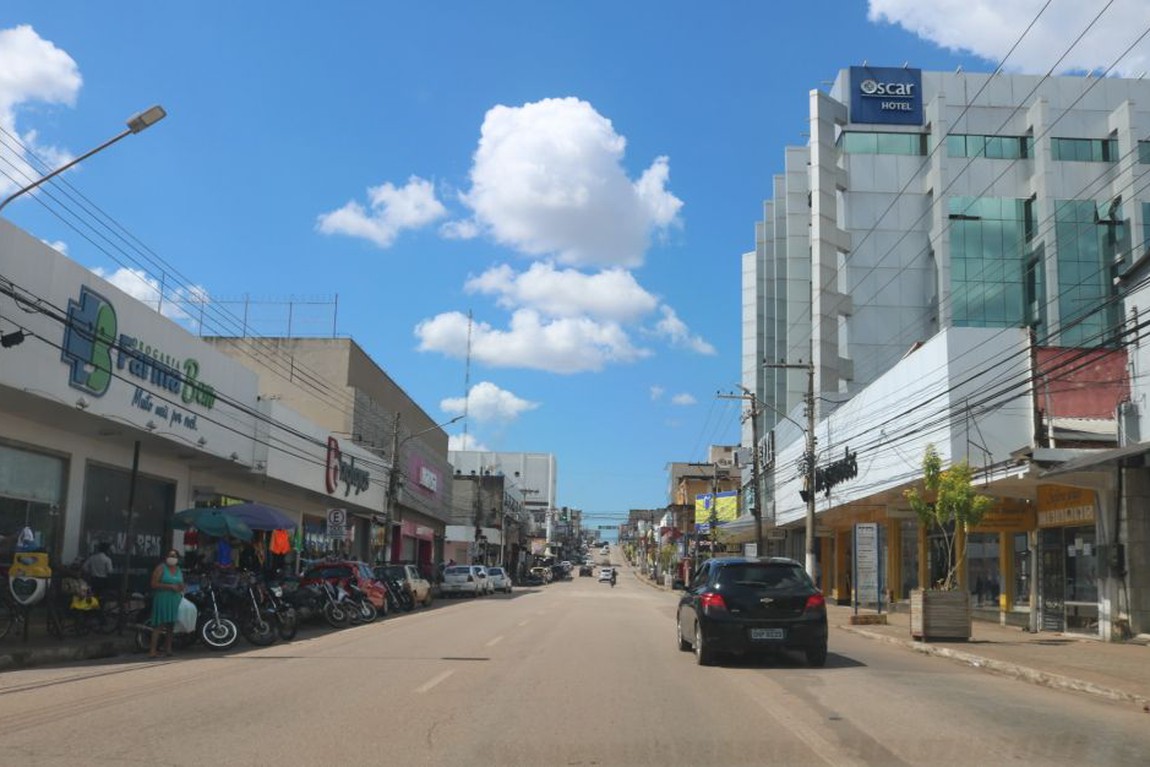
(261, 517)
(217, 522)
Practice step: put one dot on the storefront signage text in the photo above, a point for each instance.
(826, 477)
(886, 95)
(337, 470)
(93, 347)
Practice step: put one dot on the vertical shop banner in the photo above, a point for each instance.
(867, 564)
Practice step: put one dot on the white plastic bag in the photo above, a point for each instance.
(186, 617)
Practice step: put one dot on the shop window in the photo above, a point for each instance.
(32, 498)
(105, 518)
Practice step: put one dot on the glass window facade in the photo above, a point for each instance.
(106, 492)
(883, 143)
(1144, 152)
(32, 497)
(1088, 239)
(994, 275)
(991, 147)
(1085, 149)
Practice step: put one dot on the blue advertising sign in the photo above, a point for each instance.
(890, 95)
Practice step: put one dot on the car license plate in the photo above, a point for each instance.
(768, 634)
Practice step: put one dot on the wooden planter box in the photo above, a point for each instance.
(940, 614)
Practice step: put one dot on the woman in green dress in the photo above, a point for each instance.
(167, 591)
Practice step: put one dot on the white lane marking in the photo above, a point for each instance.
(495, 641)
(434, 681)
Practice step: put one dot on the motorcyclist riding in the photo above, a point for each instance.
(613, 573)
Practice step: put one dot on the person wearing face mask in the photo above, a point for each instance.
(167, 591)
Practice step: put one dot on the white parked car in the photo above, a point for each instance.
(462, 580)
(499, 579)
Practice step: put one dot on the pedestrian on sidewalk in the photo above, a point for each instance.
(167, 593)
(97, 569)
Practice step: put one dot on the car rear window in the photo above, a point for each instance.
(458, 571)
(495, 571)
(765, 575)
(394, 571)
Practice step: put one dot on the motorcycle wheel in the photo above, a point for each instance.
(337, 617)
(219, 633)
(260, 631)
(368, 612)
(287, 624)
(142, 639)
(408, 602)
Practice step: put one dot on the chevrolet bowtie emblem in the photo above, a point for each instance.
(766, 600)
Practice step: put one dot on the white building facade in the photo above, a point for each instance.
(937, 230)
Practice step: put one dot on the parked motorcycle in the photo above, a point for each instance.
(398, 598)
(363, 610)
(214, 628)
(337, 608)
(307, 602)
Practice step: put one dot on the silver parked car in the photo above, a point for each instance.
(499, 579)
(462, 580)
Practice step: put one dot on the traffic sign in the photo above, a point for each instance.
(337, 524)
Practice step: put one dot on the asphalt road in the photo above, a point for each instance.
(574, 673)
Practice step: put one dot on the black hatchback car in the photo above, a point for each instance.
(752, 606)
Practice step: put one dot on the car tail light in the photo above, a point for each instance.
(713, 601)
(816, 602)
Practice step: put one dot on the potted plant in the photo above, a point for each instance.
(948, 502)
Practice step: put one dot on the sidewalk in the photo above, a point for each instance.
(41, 649)
(1118, 671)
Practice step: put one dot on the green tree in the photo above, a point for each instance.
(947, 501)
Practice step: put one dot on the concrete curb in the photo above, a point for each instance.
(40, 655)
(1012, 670)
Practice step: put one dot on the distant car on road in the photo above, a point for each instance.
(605, 574)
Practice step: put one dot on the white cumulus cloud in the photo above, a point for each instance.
(32, 70)
(548, 180)
(564, 345)
(683, 399)
(59, 246)
(989, 28)
(487, 402)
(612, 294)
(390, 211)
(147, 290)
(657, 392)
(677, 333)
(465, 442)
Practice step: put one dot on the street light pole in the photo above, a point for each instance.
(136, 123)
(808, 459)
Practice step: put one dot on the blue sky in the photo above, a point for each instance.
(582, 178)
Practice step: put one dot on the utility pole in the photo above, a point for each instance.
(808, 459)
(757, 509)
(392, 490)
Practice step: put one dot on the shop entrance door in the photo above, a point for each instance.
(1052, 579)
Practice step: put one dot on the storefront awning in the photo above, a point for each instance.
(1098, 459)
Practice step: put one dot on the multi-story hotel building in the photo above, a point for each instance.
(943, 263)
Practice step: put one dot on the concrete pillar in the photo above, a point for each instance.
(1006, 569)
(894, 559)
(842, 539)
